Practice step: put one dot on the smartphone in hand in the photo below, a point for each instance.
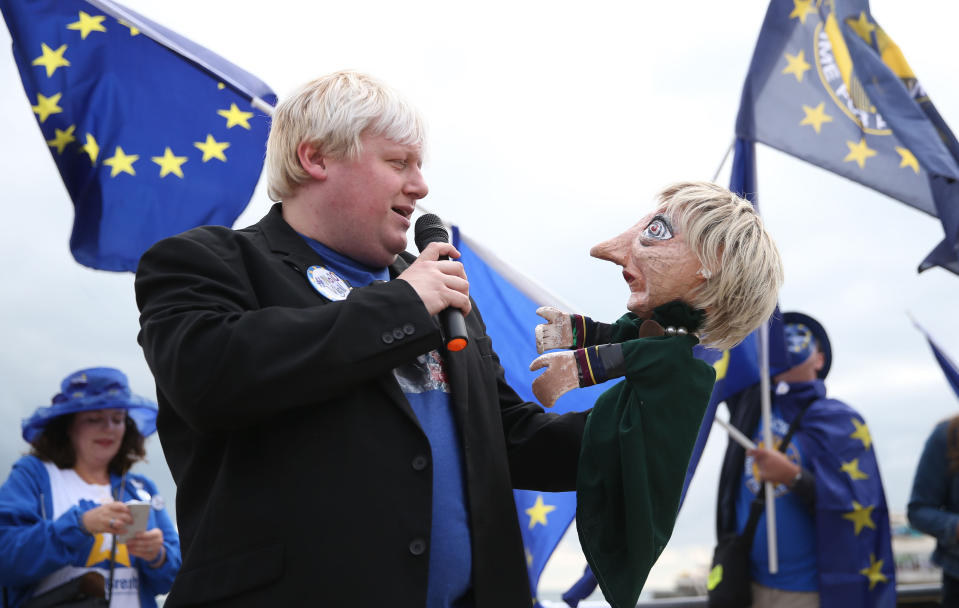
(140, 510)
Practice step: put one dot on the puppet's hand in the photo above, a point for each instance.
(558, 333)
(561, 376)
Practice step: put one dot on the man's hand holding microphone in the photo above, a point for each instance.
(440, 282)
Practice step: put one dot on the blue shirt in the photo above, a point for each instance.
(795, 527)
(424, 383)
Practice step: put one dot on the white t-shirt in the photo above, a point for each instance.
(68, 489)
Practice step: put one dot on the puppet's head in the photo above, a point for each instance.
(707, 247)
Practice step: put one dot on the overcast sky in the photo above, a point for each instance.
(553, 124)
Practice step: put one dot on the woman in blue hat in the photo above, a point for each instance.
(63, 505)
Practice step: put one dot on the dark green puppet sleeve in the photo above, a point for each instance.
(633, 460)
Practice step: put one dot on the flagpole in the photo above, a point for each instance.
(732, 145)
(768, 444)
(261, 105)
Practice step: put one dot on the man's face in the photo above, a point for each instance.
(807, 371)
(373, 197)
(658, 265)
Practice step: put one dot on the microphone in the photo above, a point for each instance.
(430, 229)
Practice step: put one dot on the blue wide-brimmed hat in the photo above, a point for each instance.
(96, 388)
(802, 334)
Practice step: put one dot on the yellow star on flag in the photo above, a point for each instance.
(62, 138)
(212, 148)
(907, 159)
(801, 9)
(860, 516)
(815, 116)
(537, 513)
(859, 153)
(852, 468)
(101, 551)
(721, 366)
(874, 572)
(529, 558)
(235, 116)
(51, 59)
(862, 26)
(121, 163)
(133, 29)
(47, 106)
(92, 148)
(861, 433)
(220, 86)
(797, 65)
(87, 24)
(169, 163)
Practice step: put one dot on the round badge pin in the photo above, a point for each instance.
(327, 283)
(157, 502)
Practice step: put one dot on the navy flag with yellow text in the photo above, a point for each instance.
(827, 84)
(152, 134)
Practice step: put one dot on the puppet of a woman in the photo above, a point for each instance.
(701, 269)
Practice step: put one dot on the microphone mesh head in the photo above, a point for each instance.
(429, 228)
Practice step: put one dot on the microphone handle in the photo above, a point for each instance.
(454, 329)
(454, 326)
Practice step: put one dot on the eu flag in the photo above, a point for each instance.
(151, 133)
(949, 368)
(827, 84)
(509, 302)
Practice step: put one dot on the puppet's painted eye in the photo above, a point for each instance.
(658, 229)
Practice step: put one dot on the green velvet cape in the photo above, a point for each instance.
(635, 451)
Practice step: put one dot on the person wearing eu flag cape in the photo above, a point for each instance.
(327, 449)
(832, 524)
(700, 268)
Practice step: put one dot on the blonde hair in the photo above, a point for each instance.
(739, 259)
(332, 112)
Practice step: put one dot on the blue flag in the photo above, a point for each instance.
(151, 133)
(827, 84)
(948, 367)
(509, 302)
(737, 368)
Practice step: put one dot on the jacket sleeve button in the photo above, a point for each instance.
(398, 334)
(408, 329)
(387, 337)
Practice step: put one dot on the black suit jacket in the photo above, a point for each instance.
(303, 476)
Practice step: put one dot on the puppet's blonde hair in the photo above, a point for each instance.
(739, 259)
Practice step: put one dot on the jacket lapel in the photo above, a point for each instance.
(289, 246)
(284, 241)
(457, 366)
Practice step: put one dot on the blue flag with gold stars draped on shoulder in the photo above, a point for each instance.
(151, 133)
(853, 542)
(509, 302)
(828, 84)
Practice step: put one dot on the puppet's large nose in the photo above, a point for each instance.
(611, 250)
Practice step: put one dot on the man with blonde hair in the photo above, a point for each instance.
(327, 450)
(701, 268)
